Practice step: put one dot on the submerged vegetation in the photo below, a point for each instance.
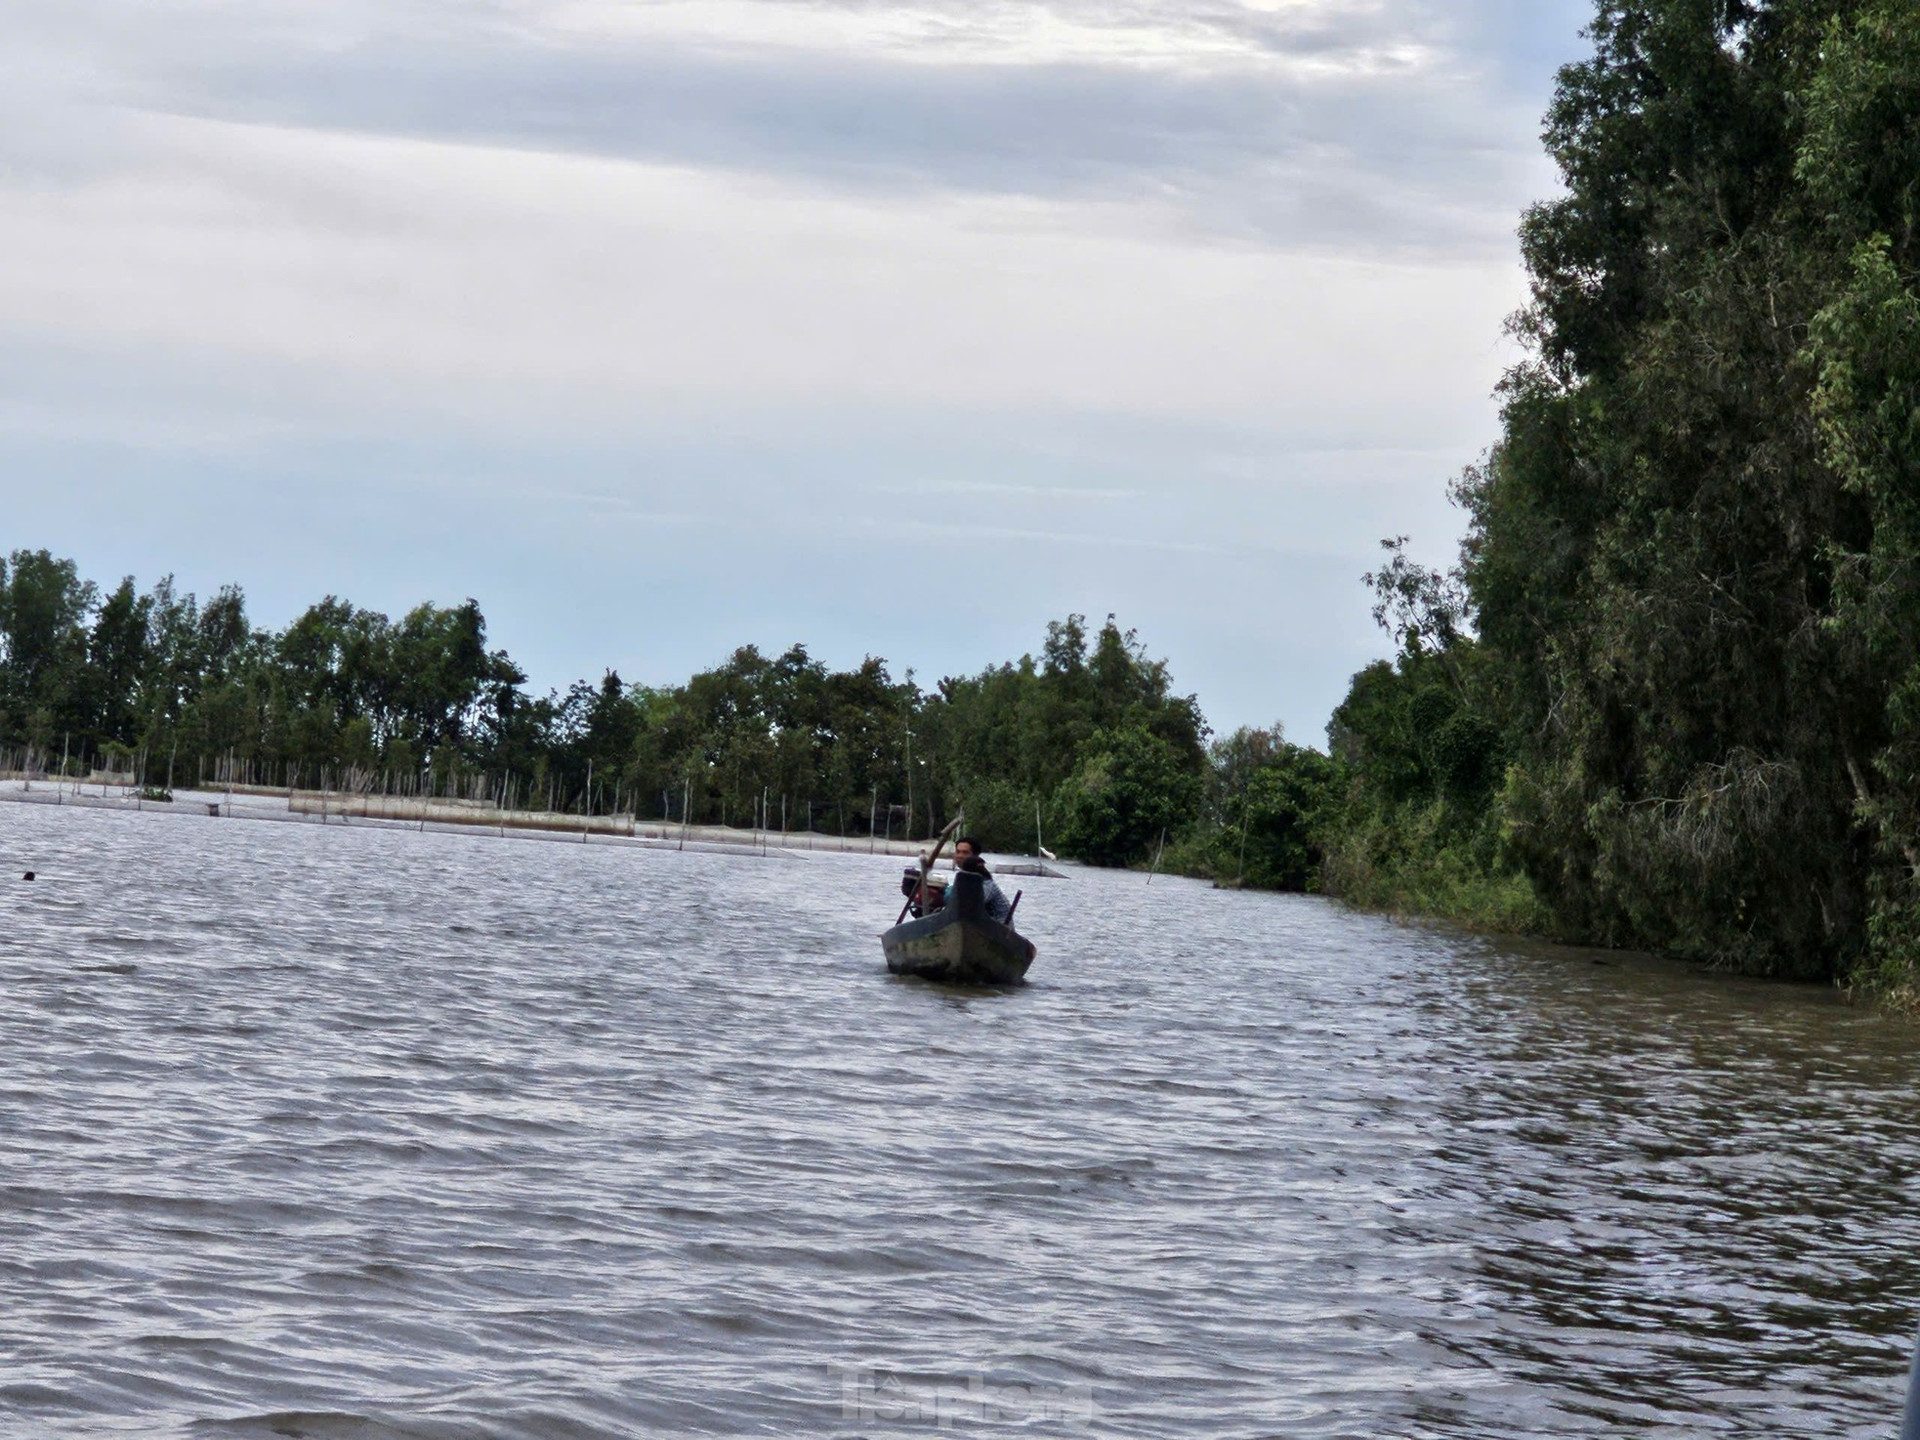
(1668, 698)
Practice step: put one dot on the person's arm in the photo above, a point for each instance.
(998, 906)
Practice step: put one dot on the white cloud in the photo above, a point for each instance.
(1309, 123)
(1283, 37)
(446, 267)
(1178, 305)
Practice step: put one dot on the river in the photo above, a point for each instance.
(346, 1132)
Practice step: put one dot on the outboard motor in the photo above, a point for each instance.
(910, 887)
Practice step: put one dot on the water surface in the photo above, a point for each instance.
(352, 1132)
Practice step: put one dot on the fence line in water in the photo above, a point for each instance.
(451, 797)
(240, 802)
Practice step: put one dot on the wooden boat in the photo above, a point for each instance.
(959, 944)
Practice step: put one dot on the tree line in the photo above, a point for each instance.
(1669, 697)
(1085, 745)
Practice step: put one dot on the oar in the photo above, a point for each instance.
(1008, 922)
(926, 862)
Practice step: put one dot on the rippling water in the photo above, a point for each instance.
(348, 1133)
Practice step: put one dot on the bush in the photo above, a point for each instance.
(1128, 789)
(1284, 815)
(1000, 813)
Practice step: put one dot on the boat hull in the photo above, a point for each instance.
(958, 950)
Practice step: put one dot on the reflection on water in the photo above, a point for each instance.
(359, 1133)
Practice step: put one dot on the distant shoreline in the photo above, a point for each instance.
(448, 816)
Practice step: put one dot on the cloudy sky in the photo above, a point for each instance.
(662, 326)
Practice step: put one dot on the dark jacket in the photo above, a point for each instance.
(992, 896)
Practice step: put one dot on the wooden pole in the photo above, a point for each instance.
(926, 862)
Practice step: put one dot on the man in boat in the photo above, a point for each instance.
(966, 856)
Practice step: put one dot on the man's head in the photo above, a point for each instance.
(966, 848)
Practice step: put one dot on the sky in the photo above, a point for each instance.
(662, 327)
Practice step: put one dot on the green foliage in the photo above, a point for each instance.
(1001, 812)
(1130, 788)
(1421, 755)
(1415, 860)
(1861, 163)
(1287, 811)
(1648, 560)
(347, 697)
(44, 610)
(1005, 745)
(1678, 705)
(1267, 813)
